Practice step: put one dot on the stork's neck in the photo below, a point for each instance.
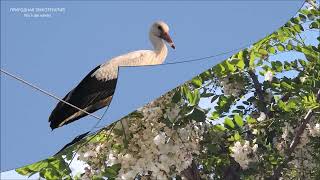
(159, 47)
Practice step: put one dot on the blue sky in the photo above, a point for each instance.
(56, 53)
(78, 166)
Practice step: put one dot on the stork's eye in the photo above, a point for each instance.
(160, 28)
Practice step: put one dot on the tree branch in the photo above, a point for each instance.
(232, 172)
(256, 85)
(259, 92)
(295, 142)
(192, 172)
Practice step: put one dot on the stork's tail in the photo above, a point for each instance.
(64, 114)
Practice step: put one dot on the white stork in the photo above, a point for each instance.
(96, 89)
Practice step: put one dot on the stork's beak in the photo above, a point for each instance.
(165, 36)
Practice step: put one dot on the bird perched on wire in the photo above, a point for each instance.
(96, 89)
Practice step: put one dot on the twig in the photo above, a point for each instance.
(295, 142)
(124, 129)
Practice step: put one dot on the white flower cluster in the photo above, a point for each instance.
(153, 148)
(303, 79)
(315, 130)
(230, 87)
(262, 117)
(286, 131)
(241, 153)
(268, 76)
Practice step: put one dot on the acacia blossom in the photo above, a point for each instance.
(268, 76)
(241, 153)
(230, 87)
(262, 116)
(314, 131)
(153, 148)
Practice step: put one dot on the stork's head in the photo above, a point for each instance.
(161, 30)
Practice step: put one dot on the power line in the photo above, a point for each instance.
(47, 93)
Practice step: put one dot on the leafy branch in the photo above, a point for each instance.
(295, 141)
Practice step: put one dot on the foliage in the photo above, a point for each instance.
(51, 168)
(261, 120)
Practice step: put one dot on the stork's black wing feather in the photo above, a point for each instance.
(91, 94)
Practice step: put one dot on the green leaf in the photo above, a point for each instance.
(314, 25)
(304, 11)
(271, 50)
(294, 64)
(51, 173)
(240, 64)
(291, 105)
(214, 98)
(310, 101)
(197, 82)
(286, 86)
(315, 12)
(24, 171)
(231, 139)
(219, 127)
(246, 102)
(38, 166)
(250, 120)
(95, 177)
(112, 171)
(241, 107)
(230, 67)
(310, 54)
(205, 95)
(282, 105)
(194, 97)
(295, 20)
(219, 70)
(302, 62)
(234, 61)
(229, 122)
(298, 28)
(276, 66)
(33, 168)
(238, 120)
(287, 66)
(197, 114)
(60, 165)
(252, 58)
(302, 17)
(280, 47)
(215, 115)
(237, 136)
(263, 51)
(176, 97)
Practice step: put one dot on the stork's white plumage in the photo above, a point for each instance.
(96, 89)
